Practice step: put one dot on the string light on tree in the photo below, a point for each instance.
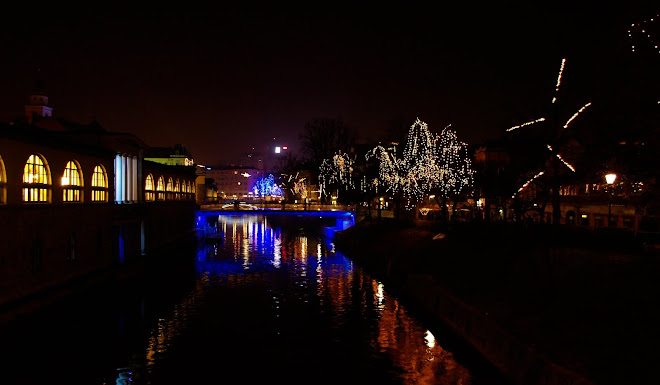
(568, 122)
(336, 171)
(561, 70)
(561, 159)
(575, 115)
(429, 161)
(643, 34)
(527, 124)
(456, 173)
(527, 183)
(265, 187)
(300, 188)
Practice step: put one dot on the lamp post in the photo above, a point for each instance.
(610, 178)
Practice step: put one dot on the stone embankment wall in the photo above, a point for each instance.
(518, 361)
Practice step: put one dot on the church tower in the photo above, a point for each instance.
(37, 106)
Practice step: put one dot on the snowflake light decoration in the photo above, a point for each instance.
(553, 152)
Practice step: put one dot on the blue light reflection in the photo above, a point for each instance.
(232, 243)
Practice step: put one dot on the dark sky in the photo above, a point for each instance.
(222, 81)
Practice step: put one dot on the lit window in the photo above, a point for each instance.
(149, 194)
(3, 183)
(99, 184)
(169, 188)
(160, 188)
(36, 180)
(177, 189)
(188, 190)
(71, 182)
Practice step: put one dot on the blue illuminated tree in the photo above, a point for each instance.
(265, 187)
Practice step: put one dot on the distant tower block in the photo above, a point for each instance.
(37, 106)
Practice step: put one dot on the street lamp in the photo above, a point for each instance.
(610, 178)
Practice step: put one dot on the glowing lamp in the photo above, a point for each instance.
(610, 178)
(278, 149)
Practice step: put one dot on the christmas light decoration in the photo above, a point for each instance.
(644, 33)
(336, 171)
(429, 162)
(527, 183)
(527, 124)
(555, 153)
(576, 114)
(300, 188)
(264, 187)
(561, 70)
(456, 173)
(562, 159)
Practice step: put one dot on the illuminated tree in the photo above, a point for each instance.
(336, 173)
(295, 186)
(265, 187)
(454, 176)
(429, 162)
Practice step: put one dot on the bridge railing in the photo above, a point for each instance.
(275, 207)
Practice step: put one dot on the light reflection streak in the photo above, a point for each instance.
(415, 350)
(169, 328)
(277, 251)
(303, 249)
(430, 339)
(245, 242)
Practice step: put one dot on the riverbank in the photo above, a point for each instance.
(563, 304)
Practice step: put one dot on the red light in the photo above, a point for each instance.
(285, 147)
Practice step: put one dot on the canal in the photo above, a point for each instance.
(263, 298)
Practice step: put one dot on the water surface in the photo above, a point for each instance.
(263, 299)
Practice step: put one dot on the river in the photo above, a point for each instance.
(262, 299)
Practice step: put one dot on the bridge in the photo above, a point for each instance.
(344, 218)
(273, 206)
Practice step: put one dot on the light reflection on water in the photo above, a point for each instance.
(270, 301)
(317, 298)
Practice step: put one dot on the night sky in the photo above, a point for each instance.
(220, 82)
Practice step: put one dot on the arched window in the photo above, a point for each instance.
(188, 186)
(71, 182)
(36, 180)
(177, 189)
(160, 188)
(99, 184)
(169, 188)
(3, 183)
(149, 194)
(194, 188)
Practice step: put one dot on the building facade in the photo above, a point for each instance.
(78, 200)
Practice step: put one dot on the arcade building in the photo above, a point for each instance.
(77, 201)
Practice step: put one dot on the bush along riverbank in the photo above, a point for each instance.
(544, 305)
